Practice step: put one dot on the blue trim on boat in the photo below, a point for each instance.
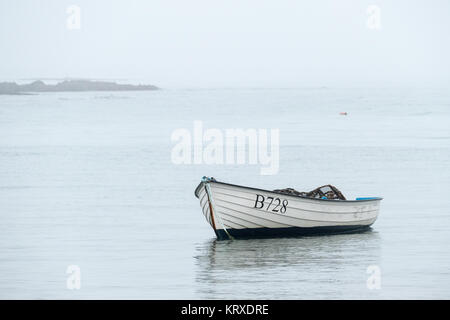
(252, 233)
(366, 198)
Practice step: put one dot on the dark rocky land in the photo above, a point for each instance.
(70, 86)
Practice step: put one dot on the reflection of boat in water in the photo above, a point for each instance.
(241, 212)
(286, 268)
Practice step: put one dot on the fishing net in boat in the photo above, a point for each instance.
(324, 192)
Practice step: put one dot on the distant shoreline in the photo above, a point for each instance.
(12, 88)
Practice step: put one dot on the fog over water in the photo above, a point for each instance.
(87, 178)
(202, 43)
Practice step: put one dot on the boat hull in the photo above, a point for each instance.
(241, 212)
(252, 233)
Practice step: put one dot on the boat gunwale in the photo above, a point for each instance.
(286, 194)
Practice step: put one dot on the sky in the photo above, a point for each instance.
(229, 43)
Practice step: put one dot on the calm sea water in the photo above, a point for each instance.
(86, 179)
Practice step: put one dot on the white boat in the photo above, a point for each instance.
(242, 212)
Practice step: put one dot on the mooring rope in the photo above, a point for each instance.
(208, 191)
